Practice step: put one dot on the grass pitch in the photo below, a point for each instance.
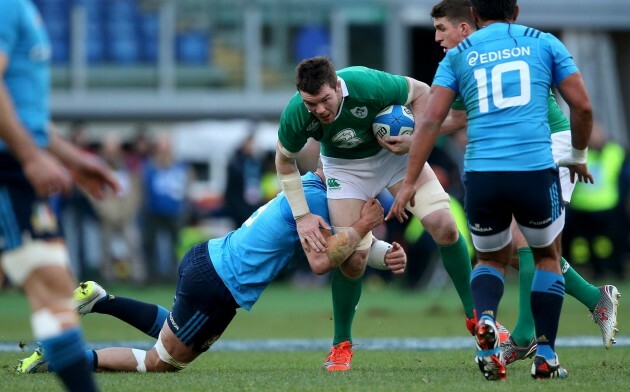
(384, 311)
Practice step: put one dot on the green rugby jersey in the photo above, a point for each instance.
(365, 93)
(557, 120)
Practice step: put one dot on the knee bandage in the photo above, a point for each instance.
(365, 242)
(429, 198)
(140, 356)
(20, 263)
(166, 357)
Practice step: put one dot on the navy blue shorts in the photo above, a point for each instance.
(204, 306)
(533, 197)
(22, 212)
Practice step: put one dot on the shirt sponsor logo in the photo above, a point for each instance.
(540, 223)
(312, 126)
(347, 138)
(170, 316)
(360, 112)
(333, 183)
(477, 228)
(475, 57)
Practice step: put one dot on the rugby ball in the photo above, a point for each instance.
(394, 120)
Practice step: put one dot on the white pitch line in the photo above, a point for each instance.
(414, 344)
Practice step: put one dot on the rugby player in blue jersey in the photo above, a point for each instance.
(217, 277)
(35, 163)
(503, 73)
(453, 22)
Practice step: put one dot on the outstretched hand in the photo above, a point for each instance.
(405, 195)
(582, 173)
(94, 177)
(372, 212)
(46, 174)
(396, 259)
(308, 228)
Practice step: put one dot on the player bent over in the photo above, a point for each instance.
(217, 277)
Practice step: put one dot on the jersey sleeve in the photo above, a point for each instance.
(291, 131)
(394, 89)
(9, 25)
(458, 103)
(563, 63)
(445, 74)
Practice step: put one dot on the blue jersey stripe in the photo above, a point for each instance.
(10, 227)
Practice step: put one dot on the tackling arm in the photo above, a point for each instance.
(341, 245)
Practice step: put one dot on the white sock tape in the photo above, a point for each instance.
(140, 356)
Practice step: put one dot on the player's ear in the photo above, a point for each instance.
(464, 29)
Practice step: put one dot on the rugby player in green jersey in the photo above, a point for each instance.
(337, 109)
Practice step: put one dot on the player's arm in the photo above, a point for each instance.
(44, 173)
(576, 96)
(423, 140)
(291, 182)
(89, 172)
(341, 245)
(454, 121)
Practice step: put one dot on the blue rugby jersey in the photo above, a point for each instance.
(267, 244)
(23, 40)
(503, 73)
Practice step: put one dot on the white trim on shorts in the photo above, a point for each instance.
(560, 147)
(492, 243)
(541, 238)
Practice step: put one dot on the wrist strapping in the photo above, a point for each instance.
(294, 192)
(376, 259)
(579, 156)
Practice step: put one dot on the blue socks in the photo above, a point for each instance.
(486, 286)
(148, 318)
(547, 296)
(66, 357)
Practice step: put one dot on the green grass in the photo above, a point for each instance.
(450, 370)
(384, 311)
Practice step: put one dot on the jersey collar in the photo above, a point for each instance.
(344, 94)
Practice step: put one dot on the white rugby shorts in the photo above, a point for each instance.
(560, 147)
(363, 178)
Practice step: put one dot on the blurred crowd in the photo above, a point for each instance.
(140, 235)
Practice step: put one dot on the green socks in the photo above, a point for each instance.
(524, 329)
(346, 293)
(456, 261)
(577, 287)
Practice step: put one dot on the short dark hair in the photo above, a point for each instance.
(495, 9)
(456, 11)
(312, 74)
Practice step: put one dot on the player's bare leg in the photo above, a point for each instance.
(433, 210)
(172, 356)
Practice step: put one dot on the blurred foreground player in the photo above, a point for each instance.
(33, 254)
